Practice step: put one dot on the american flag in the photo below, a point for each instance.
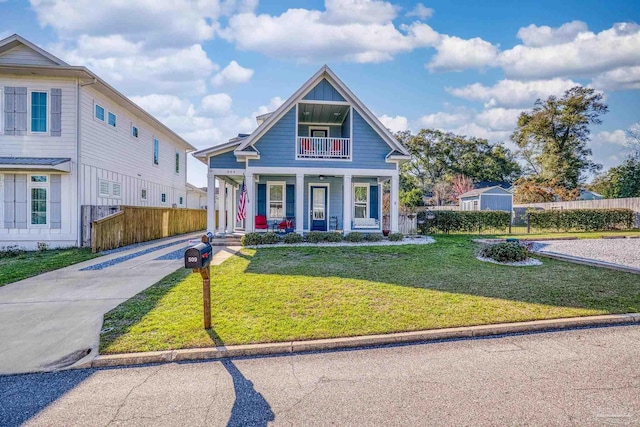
(242, 212)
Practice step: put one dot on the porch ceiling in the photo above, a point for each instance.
(322, 113)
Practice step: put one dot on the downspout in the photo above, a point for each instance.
(79, 182)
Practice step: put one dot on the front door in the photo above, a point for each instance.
(318, 208)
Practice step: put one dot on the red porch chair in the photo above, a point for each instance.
(261, 222)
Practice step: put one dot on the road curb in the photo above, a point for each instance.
(290, 347)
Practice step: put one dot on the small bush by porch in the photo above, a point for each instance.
(288, 293)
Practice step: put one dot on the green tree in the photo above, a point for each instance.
(437, 157)
(620, 181)
(553, 137)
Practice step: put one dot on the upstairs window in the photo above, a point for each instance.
(112, 119)
(38, 112)
(156, 151)
(134, 131)
(99, 113)
(177, 162)
(163, 197)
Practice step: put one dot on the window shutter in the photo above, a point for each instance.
(21, 201)
(373, 200)
(56, 112)
(291, 201)
(9, 110)
(20, 108)
(262, 199)
(55, 201)
(9, 201)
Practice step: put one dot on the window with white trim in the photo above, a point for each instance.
(163, 197)
(99, 113)
(38, 111)
(156, 151)
(134, 131)
(116, 189)
(143, 194)
(111, 119)
(180, 201)
(276, 202)
(103, 188)
(361, 200)
(177, 162)
(38, 199)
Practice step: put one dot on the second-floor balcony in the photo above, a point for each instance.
(323, 148)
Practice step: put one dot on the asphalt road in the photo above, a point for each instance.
(581, 377)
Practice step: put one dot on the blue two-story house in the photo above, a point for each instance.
(318, 162)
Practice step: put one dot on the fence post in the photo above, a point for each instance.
(528, 224)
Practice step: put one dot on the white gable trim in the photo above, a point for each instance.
(324, 72)
(15, 40)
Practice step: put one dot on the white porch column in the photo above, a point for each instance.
(211, 202)
(347, 207)
(249, 222)
(222, 199)
(299, 221)
(231, 211)
(395, 191)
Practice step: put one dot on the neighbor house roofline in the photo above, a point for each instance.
(15, 40)
(478, 191)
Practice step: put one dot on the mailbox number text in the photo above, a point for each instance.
(192, 259)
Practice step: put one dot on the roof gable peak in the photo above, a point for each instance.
(16, 40)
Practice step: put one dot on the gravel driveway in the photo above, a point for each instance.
(617, 251)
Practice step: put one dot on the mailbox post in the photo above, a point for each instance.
(198, 258)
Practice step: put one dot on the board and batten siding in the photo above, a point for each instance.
(113, 154)
(323, 91)
(23, 55)
(278, 145)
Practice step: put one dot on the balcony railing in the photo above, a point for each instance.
(323, 148)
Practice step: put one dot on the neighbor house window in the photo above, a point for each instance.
(156, 151)
(276, 201)
(99, 113)
(134, 131)
(103, 188)
(177, 162)
(361, 201)
(39, 112)
(116, 189)
(38, 199)
(163, 197)
(143, 194)
(112, 119)
(181, 200)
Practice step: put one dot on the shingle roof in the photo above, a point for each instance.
(478, 191)
(33, 161)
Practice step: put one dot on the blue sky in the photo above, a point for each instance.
(206, 68)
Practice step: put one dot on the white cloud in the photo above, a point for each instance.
(232, 73)
(218, 104)
(162, 105)
(395, 124)
(587, 55)
(499, 119)
(182, 71)
(444, 120)
(421, 11)
(274, 103)
(623, 78)
(317, 36)
(456, 54)
(359, 11)
(609, 147)
(546, 36)
(513, 93)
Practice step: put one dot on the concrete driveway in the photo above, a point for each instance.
(53, 320)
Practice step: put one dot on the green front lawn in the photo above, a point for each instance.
(279, 294)
(28, 264)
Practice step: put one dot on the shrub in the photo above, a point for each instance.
(373, 237)
(396, 237)
(505, 252)
(582, 219)
(270, 238)
(354, 237)
(463, 221)
(290, 238)
(333, 237)
(43, 246)
(251, 239)
(315, 236)
(10, 251)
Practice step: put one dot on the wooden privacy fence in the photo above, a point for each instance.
(133, 224)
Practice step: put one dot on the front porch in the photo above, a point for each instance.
(303, 202)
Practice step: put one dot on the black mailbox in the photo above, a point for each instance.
(198, 256)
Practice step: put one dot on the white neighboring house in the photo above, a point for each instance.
(69, 139)
(196, 197)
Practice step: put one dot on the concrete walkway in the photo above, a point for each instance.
(53, 320)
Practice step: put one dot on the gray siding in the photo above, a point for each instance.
(323, 91)
(23, 55)
(225, 161)
(496, 202)
(277, 147)
(55, 201)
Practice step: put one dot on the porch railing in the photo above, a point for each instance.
(323, 148)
